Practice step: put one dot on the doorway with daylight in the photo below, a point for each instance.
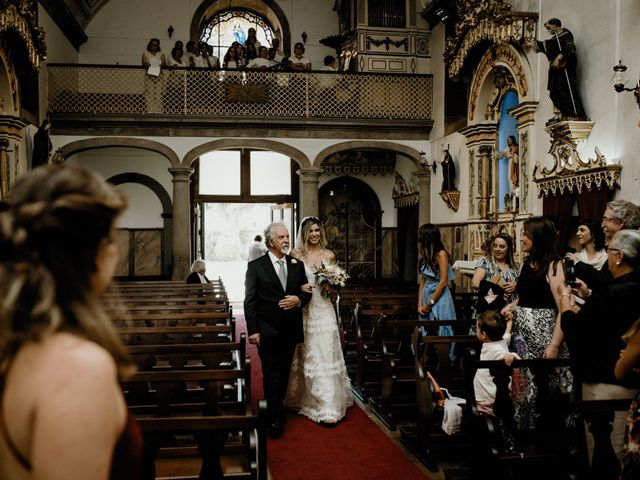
(237, 193)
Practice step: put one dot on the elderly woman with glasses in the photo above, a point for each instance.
(619, 215)
(593, 331)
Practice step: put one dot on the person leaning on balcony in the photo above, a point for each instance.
(177, 58)
(153, 56)
(153, 60)
(262, 62)
(192, 53)
(231, 60)
(298, 61)
(206, 59)
(250, 53)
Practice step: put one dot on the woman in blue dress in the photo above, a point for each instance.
(434, 298)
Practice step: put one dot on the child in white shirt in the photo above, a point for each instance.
(494, 331)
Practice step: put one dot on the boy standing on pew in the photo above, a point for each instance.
(494, 331)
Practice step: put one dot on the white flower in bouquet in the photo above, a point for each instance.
(330, 277)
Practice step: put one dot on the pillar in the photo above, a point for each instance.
(310, 179)
(424, 189)
(181, 248)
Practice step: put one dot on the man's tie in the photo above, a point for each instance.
(282, 274)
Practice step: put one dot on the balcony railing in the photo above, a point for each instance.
(81, 89)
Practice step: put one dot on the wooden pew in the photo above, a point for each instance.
(431, 353)
(396, 402)
(166, 403)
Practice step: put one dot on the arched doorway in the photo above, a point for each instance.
(352, 220)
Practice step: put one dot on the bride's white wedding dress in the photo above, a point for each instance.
(319, 387)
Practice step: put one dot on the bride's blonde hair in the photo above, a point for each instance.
(305, 232)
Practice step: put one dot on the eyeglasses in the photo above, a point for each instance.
(611, 249)
(610, 219)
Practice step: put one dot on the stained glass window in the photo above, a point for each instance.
(232, 26)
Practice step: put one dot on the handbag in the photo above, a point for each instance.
(490, 296)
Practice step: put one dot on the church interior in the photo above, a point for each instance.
(471, 115)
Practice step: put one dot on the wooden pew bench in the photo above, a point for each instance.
(396, 402)
(151, 335)
(183, 412)
(426, 439)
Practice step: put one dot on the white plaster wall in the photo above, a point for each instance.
(113, 161)
(59, 49)
(121, 29)
(144, 210)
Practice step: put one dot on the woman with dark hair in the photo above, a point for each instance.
(231, 59)
(591, 239)
(153, 60)
(434, 298)
(500, 269)
(62, 413)
(250, 53)
(318, 384)
(594, 330)
(536, 323)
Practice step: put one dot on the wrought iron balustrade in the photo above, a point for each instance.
(97, 89)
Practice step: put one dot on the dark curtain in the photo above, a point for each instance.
(560, 207)
(592, 204)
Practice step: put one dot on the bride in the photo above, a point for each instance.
(319, 387)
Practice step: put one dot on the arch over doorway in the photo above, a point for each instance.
(167, 211)
(411, 153)
(79, 146)
(270, 10)
(299, 157)
(352, 214)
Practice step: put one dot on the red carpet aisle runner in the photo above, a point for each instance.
(355, 449)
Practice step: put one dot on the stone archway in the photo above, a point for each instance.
(167, 211)
(411, 153)
(296, 155)
(79, 146)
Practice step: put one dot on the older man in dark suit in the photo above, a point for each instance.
(273, 310)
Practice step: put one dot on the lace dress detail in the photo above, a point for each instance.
(319, 387)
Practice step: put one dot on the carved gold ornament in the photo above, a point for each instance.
(480, 21)
(20, 16)
(569, 173)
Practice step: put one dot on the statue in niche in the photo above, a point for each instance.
(562, 84)
(41, 145)
(512, 152)
(448, 172)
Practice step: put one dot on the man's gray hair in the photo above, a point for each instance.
(628, 242)
(626, 212)
(269, 231)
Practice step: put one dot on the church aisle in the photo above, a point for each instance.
(355, 449)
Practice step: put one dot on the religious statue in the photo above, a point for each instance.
(448, 172)
(41, 145)
(512, 153)
(562, 84)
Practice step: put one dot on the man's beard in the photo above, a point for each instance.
(285, 249)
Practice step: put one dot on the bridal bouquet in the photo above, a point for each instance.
(330, 278)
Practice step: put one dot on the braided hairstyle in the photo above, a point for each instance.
(50, 233)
